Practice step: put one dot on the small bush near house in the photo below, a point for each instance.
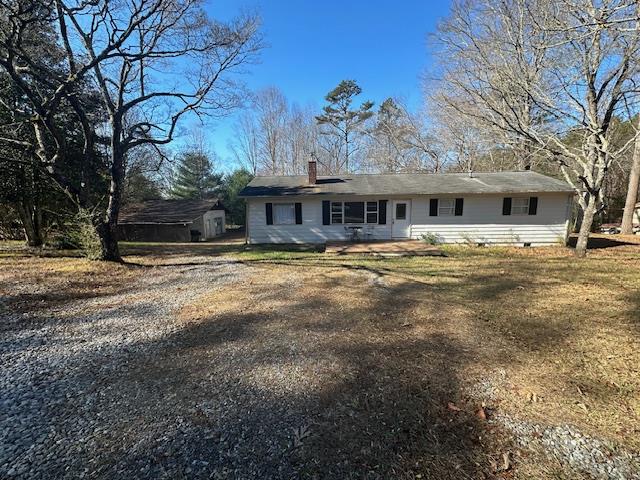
(431, 238)
(468, 239)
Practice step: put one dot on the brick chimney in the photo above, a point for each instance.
(313, 171)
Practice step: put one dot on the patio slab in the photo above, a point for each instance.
(385, 248)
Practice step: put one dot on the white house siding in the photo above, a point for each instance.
(482, 221)
(311, 230)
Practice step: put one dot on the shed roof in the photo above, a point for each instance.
(167, 211)
(406, 184)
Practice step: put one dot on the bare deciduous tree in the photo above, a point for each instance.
(303, 136)
(154, 63)
(245, 145)
(274, 137)
(271, 109)
(401, 141)
(548, 75)
(632, 190)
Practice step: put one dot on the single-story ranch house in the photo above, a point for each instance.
(171, 221)
(520, 208)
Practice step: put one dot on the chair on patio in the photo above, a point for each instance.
(353, 233)
(368, 233)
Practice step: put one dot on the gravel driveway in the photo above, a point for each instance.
(69, 404)
(210, 367)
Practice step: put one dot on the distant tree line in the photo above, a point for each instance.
(276, 137)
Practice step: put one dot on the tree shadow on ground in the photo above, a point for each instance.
(362, 409)
(315, 389)
(600, 242)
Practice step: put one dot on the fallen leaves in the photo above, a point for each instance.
(582, 406)
(506, 464)
(533, 397)
(481, 413)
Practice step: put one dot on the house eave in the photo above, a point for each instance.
(407, 194)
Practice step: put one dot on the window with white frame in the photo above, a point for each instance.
(336, 212)
(446, 206)
(284, 214)
(372, 212)
(520, 206)
(354, 212)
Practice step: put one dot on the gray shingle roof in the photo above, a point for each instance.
(167, 211)
(406, 184)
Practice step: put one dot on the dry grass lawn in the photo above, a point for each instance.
(379, 354)
(557, 338)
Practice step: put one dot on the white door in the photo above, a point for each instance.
(401, 219)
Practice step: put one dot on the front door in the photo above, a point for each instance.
(401, 219)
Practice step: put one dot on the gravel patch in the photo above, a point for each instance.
(489, 387)
(63, 412)
(599, 459)
(588, 455)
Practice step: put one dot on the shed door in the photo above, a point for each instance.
(401, 219)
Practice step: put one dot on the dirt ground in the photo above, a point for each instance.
(488, 363)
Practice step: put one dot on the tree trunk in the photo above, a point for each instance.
(585, 227)
(107, 229)
(346, 151)
(632, 191)
(108, 242)
(575, 228)
(31, 223)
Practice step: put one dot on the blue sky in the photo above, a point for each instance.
(312, 45)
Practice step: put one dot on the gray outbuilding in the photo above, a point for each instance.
(172, 221)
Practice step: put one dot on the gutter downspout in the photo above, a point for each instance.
(246, 222)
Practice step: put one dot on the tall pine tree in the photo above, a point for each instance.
(194, 177)
(235, 206)
(344, 121)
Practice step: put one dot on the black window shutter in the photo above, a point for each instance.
(269, 213)
(459, 206)
(326, 212)
(382, 212)
(433, 207)
(506, 206)
(533, 205)
(298, 213)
